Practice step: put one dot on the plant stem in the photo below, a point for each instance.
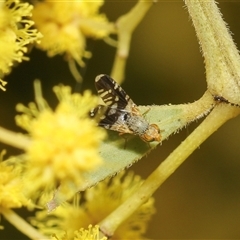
(14, 139)
(222, 59)
(126, 24)
(220, 114)
(21, 224)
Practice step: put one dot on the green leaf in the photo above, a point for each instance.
(118, 154)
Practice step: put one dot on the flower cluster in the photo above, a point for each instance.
(82, 234)
(66, 24)
(98, 203)
(64, 142)
(16, 32)
(11, 186)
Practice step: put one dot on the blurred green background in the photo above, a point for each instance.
(201, 200)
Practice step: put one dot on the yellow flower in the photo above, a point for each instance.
(66, 24)
(11, 186)
(91, 234)
(64, 143)
(15, 33)
(100, 201)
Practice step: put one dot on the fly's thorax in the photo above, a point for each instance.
(137, 124)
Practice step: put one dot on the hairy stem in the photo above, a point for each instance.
(221, 56)
(220, 114)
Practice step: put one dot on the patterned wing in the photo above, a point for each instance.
(112, 94)
(111, 118)
(120, 113)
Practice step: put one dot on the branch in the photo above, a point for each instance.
(126, 24)
(22, 225)
(222, 59)
(14, 139)
(216, 118)
(223, 71)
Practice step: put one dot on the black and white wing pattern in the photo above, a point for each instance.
(120, 113)
(112, 94)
